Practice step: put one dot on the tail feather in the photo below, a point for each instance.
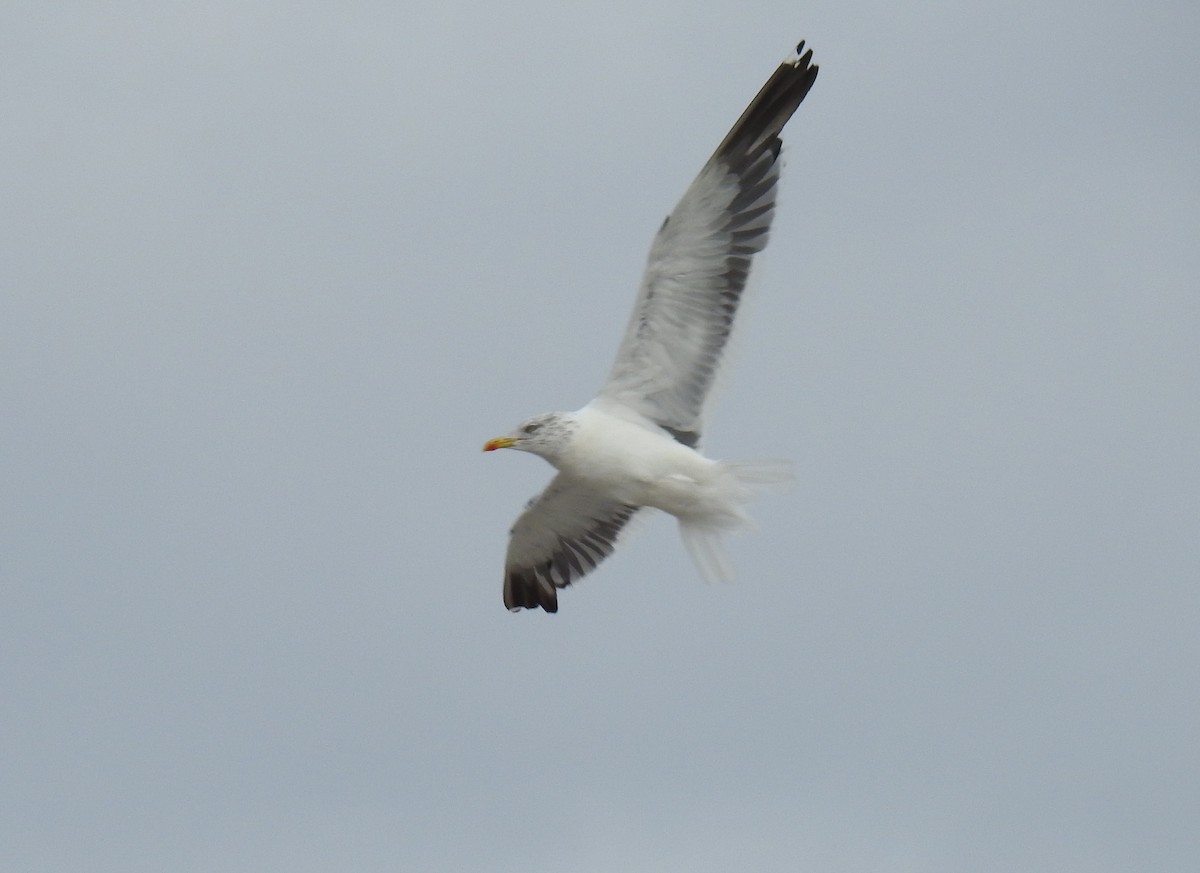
(773, 474)
(707, 552)
(701, 533)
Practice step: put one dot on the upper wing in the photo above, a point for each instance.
(563, 534)
(699, 262)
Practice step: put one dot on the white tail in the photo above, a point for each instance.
(773, 474)
(707, 551)
(701, 533)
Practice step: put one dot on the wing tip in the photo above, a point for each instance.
(762, 122)
(527, 592)
(801, 58)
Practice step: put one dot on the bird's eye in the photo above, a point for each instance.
(530, 428)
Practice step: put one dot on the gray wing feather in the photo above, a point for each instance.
(561, 536)
(699, 262)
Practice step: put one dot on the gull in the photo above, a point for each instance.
(636, 445)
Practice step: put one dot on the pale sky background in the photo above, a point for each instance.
(272, 273)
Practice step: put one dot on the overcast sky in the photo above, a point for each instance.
(272, 273)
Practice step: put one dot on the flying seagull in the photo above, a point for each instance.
(636, 444)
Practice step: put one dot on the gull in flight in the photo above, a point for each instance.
(636, 444)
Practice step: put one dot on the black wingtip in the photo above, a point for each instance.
(804, 59)
(523, 592)
(552, 608)
(763, 120)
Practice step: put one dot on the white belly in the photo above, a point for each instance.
(642, 467)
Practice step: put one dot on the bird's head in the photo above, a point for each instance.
(544, 435)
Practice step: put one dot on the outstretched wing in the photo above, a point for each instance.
(699, 262)
(563, 534)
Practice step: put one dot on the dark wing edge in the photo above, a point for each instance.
(748, 155)
(562, 536)
(758, 129)
(750, 151)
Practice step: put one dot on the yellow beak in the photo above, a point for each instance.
(498, 443)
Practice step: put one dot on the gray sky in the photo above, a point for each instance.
(272, 273)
